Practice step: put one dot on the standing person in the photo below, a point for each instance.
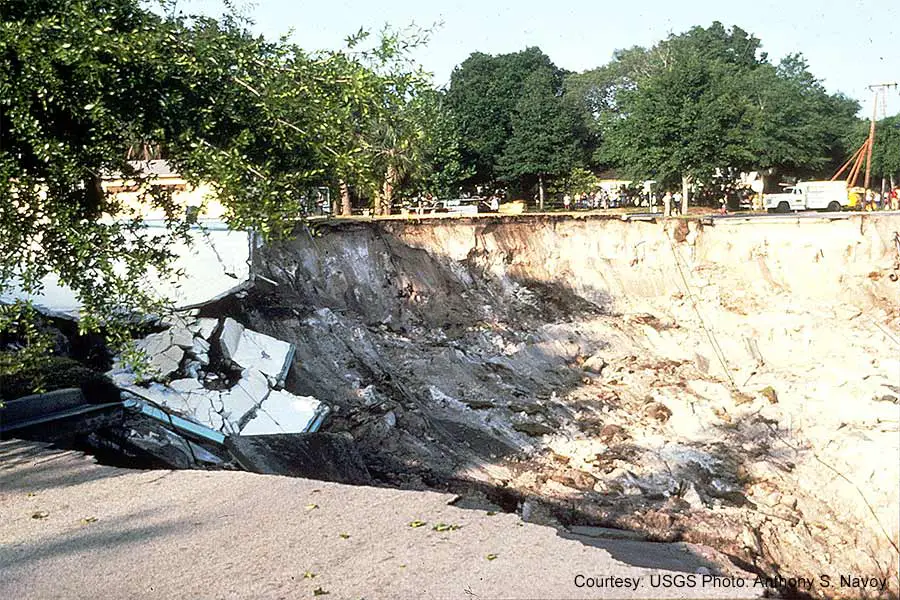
(895, 199)
(567, 201)
(495, 203)
(676, 203)
(667, 204)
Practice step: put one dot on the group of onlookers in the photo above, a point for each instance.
(876, 201)
(604, 199)
(598, 199)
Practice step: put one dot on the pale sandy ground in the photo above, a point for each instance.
(114, 533)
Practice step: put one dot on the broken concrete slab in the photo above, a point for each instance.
(215, 400)
(155, 392)
(181, 336)
(214, 419)
(246, 395)
(192, 369)
(214, 261)
(155, 343)
(164, 364)
(196, 405)
(204, 327)
(165, 445)
(325, 456)
(188, 384)
(230, 338)
(189, 426)
(250, 349)
(261, 424)
(122, 377)
(200, 351)
(283, 412)
(199, 346)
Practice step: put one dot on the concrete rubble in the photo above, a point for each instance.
(253, 350)
(222, 376)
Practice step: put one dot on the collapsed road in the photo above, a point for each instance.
(725, 383)
(207, 393)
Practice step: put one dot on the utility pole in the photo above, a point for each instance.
(876, 88)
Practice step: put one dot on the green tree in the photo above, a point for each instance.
(678, 119)
(590, 95)
(791, 125)
(542, 144)
(886, 151)
(706, 104)
(440, 170)
(578, 180)
(483, 97)
(83, 81)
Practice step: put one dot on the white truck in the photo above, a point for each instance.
(809, 195)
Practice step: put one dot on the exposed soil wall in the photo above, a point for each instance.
(732, 383)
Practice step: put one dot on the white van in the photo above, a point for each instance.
(809, 195)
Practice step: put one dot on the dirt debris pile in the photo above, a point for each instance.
(732, 384)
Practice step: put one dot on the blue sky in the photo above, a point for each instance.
(849, 44)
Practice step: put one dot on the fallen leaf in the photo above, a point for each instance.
(491, 513)
(87, 520)
(41, 514)
(320, 592)
(491, 556)
(345, 536)
(309, 575)
(445, 527)
(311, 506)
(417, 523)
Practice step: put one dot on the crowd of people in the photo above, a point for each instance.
(604, 199)
(890, 200)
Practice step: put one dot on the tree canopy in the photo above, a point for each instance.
(709, 100)
(82, 81)
(513, 122)
(542, 142)
(886, 151)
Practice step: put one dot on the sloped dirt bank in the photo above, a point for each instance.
(731, 384)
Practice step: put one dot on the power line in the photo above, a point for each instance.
(876, 88)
